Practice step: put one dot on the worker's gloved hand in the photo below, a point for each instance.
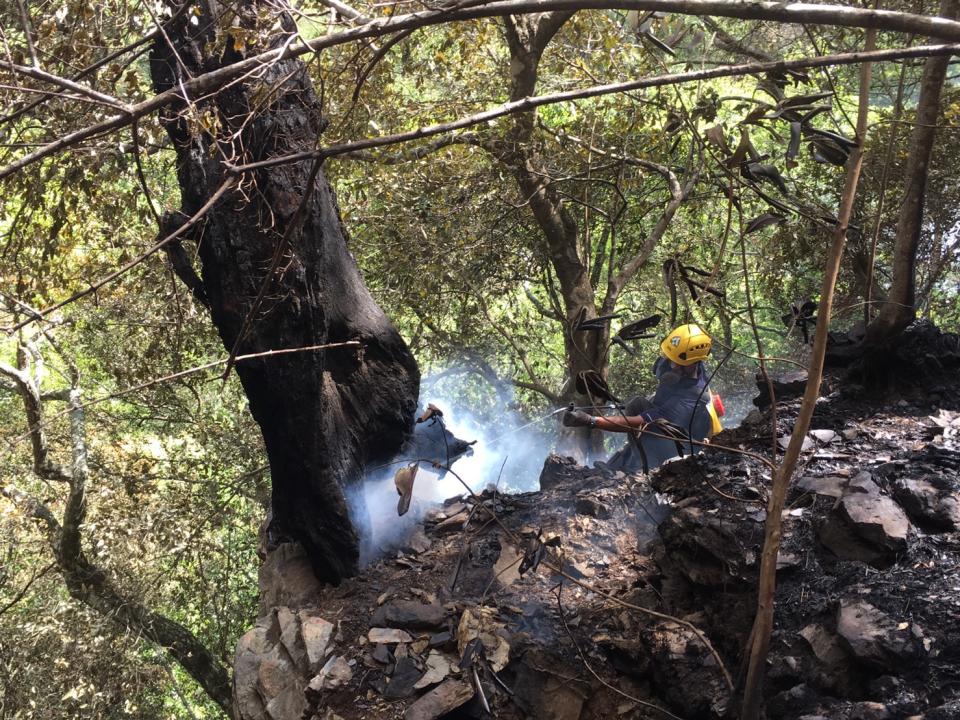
(578, 418)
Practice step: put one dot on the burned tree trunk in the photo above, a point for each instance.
(272, 282)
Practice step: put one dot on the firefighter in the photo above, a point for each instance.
(678, 409)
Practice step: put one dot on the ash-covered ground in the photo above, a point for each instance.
(637, 594)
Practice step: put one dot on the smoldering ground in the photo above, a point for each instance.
(507, 454)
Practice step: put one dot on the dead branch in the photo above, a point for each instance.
(193, 371)
(37, 74)
(530, 103)
(413, 154)
(29, 392)
(346, 11)
(28, 32)
(23, 591)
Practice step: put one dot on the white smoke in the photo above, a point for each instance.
(508, 454)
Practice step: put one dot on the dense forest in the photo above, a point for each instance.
(243, 245)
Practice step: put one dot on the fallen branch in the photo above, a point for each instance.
(759, 644)
(825, 14)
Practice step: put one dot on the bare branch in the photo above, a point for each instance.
(632, 266)
(23, 591)
(197, 369)
(594, 91)
(473, 9)
(42, 75)
(346, 11)
(28, 32)
(413, 154)
(23, 383)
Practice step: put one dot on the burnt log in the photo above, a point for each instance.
(278, 277)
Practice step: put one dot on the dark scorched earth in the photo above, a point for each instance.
(868, 599)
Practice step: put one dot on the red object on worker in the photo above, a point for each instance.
(718, 406)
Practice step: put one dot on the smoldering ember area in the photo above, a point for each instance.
(608, 594)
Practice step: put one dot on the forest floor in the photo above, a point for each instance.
(868, 600)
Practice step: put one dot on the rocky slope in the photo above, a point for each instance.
(868, 598)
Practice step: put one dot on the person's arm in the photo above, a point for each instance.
(619, 423)
(612, 423)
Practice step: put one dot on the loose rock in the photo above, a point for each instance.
(335, 674)
(932, 501)
(441, 700)
(388, 636)
(866, 525)
(875, 638)
(409, 615)
(437, 669)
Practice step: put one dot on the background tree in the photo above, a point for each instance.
(465, 266)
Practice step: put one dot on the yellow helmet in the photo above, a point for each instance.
(686, 345)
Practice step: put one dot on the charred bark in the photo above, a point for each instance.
(276, 277)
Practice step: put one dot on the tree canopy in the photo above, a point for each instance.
(504, 171)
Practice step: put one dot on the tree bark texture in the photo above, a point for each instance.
(527, 37)
(899, 308)
(277, 273)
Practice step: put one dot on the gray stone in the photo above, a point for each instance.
(290, 636)
(833, 666)
(441, 640)
(785, 387)
(388, 636)
(286, 579)
(807, 444)
(865, 525)
(932, 501)
(381, 653)
(333, 675)
(438, 667)
(410, 615)
(863, 482)
(824, 436)
(252, 645)
(559, 470)
(587, 504)
(317, 636)
(405, 676)
(826, 647)
(443, 699)
(826, 486)
(876, 639)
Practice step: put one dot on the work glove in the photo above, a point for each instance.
(578, 418)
